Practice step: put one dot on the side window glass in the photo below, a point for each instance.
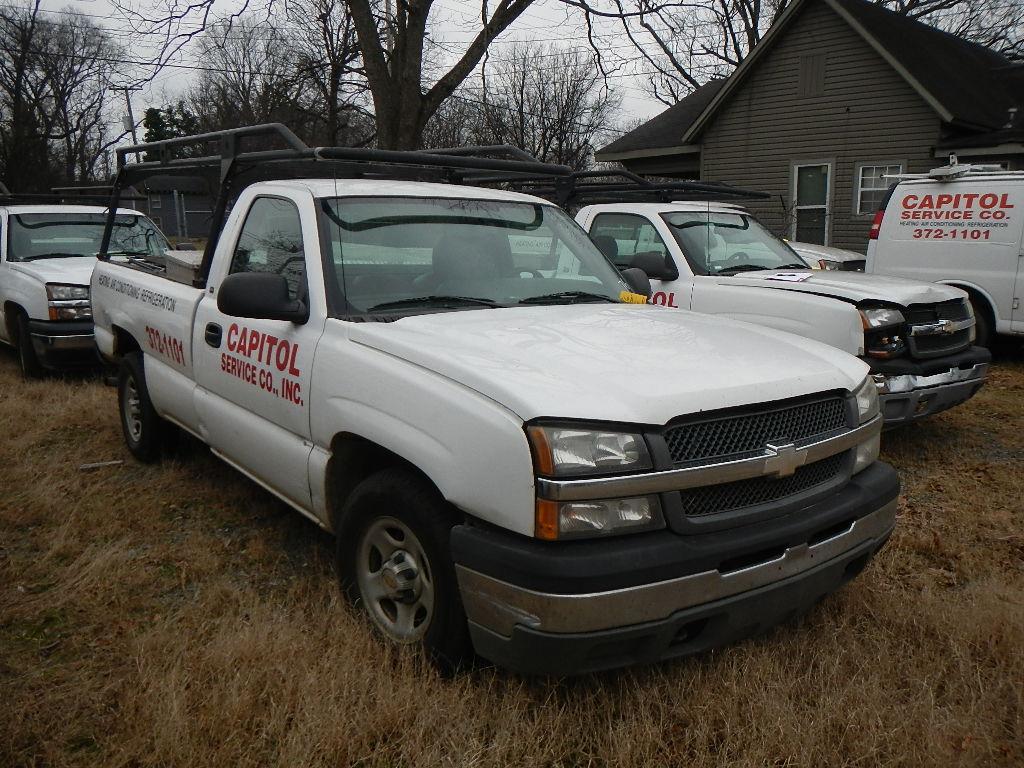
(271, 241)
(622, 236)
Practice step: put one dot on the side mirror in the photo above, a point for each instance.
(638, 281)
(260, 296)
(658, 266)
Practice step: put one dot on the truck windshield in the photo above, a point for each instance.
(395, 254)
(64, 235)
(729, 243)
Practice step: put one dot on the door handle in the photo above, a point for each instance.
(213, 335)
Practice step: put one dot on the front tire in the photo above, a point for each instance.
(30, 366)
(140, 424)
(393, 559)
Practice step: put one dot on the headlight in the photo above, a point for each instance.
(867, 400)
(68, 302)
(882, 332)
(881, 317)
(597, 517)
(970, 314)
(562, 451)
(867, 408)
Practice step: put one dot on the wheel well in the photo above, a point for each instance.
(12, 311)
(353, 459)
(980, 301)
(124, 342)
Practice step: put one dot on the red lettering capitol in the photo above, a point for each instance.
(984, 200)
(264, 348)
(664, 299)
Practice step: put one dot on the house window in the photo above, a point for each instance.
(872, 186)
(811, 202)
(154, 202)
(811, 75)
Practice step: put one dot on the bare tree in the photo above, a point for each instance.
(54, 83)
(394, 44)
(250, 76)
(549, 101)
(328, 61)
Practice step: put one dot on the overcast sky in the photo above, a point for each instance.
(453, 24)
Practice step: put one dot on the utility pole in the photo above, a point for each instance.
(130, 121)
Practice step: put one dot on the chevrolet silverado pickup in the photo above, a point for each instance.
(718, 259)
(515, 457)
(47, 253)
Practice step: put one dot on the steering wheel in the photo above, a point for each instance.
(738, 258)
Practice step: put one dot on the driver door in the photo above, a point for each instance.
(253, 375)
(621, 236)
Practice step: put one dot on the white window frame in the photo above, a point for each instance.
(797, 165)
(858, 188)
(155, 202)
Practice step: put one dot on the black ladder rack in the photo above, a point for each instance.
(227, 160)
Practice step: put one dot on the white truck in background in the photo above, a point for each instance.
(962, 226)
(47, 254)
(515, 455)
(717, 259)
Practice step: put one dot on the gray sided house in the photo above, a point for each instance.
(838, 95)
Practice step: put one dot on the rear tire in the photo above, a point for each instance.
(142, 428)
(30, 366)
(982, 323)
(393, 558)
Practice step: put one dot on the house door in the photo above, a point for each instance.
(811, 203)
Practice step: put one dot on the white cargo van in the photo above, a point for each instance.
(960, 225)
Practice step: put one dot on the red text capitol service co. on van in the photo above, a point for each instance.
(962, 206)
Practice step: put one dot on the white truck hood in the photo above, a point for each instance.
(631, 363)
(68, 271)
(851, 286)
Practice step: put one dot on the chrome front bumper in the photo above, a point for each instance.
(43, 343)
(909, 397)
(499, 606)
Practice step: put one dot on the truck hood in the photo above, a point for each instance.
(630, 363)
(852, 286)
(69, 271)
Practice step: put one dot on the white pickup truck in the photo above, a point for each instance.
(514, 457)
(717, 259)
(47, 253)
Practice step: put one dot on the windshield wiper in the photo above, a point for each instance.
(441, 300)
(568, 297)
(127, 253)
(740, 268)
(792, 266)
(54, 255)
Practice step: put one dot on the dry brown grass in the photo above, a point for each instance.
(178, 616)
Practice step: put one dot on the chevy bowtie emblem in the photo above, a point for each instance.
(783, 460)
(946, 326)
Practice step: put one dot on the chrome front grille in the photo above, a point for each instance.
(938, 329)
(747, 434)
(725, 438)
(728, 497)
